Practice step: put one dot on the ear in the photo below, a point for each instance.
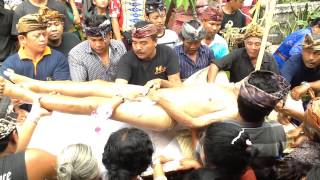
(94, 2)
(22, 39)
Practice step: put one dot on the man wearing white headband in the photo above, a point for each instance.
(193, 56)
(97, 57)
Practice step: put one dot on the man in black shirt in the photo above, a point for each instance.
(241, 62)
(147, 61)
(233, 15)
(57, 39)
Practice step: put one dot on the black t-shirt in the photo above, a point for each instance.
(237, 19)
(136, 71)
(69, 40)
(240, 65)
(8, 42)
(27, 8)
(13, 166)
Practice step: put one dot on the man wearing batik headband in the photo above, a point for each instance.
(34, 58)
(18, 162)
(156, 14)
(241, 62)
(97, 57)
(303, 70)
(147, 61)
(211, 18)
(57, 39)
(193, 56)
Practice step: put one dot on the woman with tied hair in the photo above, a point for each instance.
(77, 162)
(226, 149)
(127, 153)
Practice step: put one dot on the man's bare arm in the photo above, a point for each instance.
(212, 73)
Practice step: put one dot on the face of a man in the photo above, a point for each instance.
(212, 27)
(144, 48)
(191, 47)
(252, 45)
(99, 44)
(236, 4)
(311, 58)
(36, 41)
(55, 30)
(158, 19)
(101, 3)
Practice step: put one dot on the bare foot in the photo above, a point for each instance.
(16, 78)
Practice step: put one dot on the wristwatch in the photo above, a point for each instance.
(305, 83)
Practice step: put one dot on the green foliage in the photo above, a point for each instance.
(186, 4)
(291, 1)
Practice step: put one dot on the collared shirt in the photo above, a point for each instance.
(52, 65)
(240, 65)
(86, 65)
(295, 72)
(187, 66)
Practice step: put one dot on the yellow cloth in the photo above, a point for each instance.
(185, 142)
(24, 56)
(30, 22)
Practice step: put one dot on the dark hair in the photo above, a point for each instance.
(315, 22)
(94, 20)
(201, 174)
(4, 142)
(289, 168)
(251, 112)
(141, 24)
(314, 173)
(127, 153)
(225, 148)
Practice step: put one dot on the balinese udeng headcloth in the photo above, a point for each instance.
(7, 125)
(145, 31)
(100, 30)
(253, 30)
(50, 14)
(154, 6)
(312, 42)
(260, 97)
(31, 22)
(210, 13)
(190, 33)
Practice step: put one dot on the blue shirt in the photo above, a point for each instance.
(53, 66)
(295, 72)
(290, 46)
(187, 66)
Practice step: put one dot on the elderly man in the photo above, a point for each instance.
(34, 58)
(193, 56)
(98, 57)
(147, 60)
(156, 14)
(241, 62)
(57, 39)
(211, 18)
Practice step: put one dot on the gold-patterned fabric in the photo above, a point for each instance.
(253, 30)
(50, 14)
(311, 41)
(30, 22)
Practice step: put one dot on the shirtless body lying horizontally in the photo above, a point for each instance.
(198, 105)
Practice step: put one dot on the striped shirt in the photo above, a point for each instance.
(187, 66)
(86, 65)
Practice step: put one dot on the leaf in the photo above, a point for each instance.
(179, 3)
(168, 2)
(186, 4)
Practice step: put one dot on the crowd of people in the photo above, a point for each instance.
(119, 61)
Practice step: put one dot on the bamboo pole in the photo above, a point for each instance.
(268, 22)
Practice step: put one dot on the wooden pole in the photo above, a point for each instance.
(268, 22)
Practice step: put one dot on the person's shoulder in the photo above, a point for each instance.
(219, 39)
(171, 33)
(70, 35)
(80, 48)
(117, 44)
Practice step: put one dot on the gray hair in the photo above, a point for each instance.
(77, 162)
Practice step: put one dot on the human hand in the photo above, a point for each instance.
(188, 163)
(160, 160)
(279, 106)
(37, 111)
(154, 84)
(298, 91)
